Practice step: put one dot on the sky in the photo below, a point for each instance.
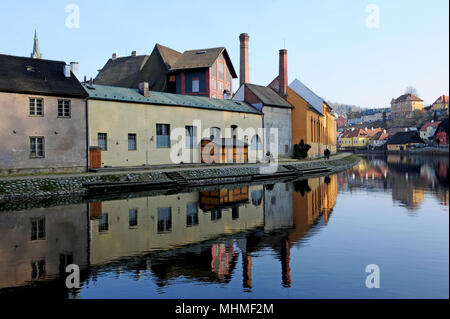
(349, 51)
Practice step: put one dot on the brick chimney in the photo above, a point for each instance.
(244, 75)
(283, 75)
(143, 88)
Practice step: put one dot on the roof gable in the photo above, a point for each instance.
(309, 96)
(203, 58)
(267, 96)
(121, 71)
(37, 76)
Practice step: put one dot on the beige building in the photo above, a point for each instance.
(140, 127)
(44, 111)
(405, 105)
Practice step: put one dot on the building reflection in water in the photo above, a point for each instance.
(199, 236)
(406, 178)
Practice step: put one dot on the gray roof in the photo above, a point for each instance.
(202, 58)
(121, 71)
(121, 94)
(405, 138)
(267, 95)
(309, 96)
(37, 76)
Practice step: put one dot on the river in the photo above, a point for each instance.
(310, 238)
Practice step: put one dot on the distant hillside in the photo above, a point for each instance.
(345, 109)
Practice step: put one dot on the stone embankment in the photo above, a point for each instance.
(64, 186)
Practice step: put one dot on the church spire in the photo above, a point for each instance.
(36, 54)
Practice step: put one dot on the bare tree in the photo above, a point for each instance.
(411, 90)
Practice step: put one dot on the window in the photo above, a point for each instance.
(234, 131)
(256, 197)
(195, 85)
(63, 108)
(235, 213)
(216, 214)
(64, 261)
(220, 65)
(220, 86)
(36, 107)
(102, 141)
(38, 228)
(256, 143)
(286, 148)
(214, 132)
(214, 84)
(132, 142)
(36, 147)
(38, 269)
(132, 218)
(191, 214)
(164, 219)
(162, 135)
(190, 136)
(103, 223)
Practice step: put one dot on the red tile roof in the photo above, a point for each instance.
(442, 99)
(407, 97)
(354, 133)
(427, 124)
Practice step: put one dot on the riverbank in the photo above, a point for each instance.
(426, 151)
(56, 187)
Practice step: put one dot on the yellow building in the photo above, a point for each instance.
(354, 138)
(440, 104)
(312, 120)
(137, 127)
(405, 105)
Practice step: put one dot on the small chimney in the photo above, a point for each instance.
(67, 70)
(283, 75)
(74, 68)
(143, 88)
(115, 56)
(91, 82)
(134, 53)
(244, 75)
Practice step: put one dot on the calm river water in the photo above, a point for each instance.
(293, 239)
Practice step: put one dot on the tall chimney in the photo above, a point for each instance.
(143, 88)
(244, 75)
(283, 75)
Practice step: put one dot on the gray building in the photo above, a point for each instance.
(43, 109)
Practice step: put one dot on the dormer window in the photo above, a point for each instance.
(30, 68)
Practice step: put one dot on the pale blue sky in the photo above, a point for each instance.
(330, 48)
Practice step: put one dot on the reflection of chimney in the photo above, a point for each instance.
(244, 75)
(247, 271)
(285, 268)
(283, 76)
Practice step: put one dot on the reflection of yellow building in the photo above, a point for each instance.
(39, 243)
(315, 125)
(146, 224)
(318, 199)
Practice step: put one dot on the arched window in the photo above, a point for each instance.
(214, 132)
(256, 143)
(233, 131)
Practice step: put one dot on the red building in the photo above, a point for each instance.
(441, 135)
(203, 72)
(341, 121)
